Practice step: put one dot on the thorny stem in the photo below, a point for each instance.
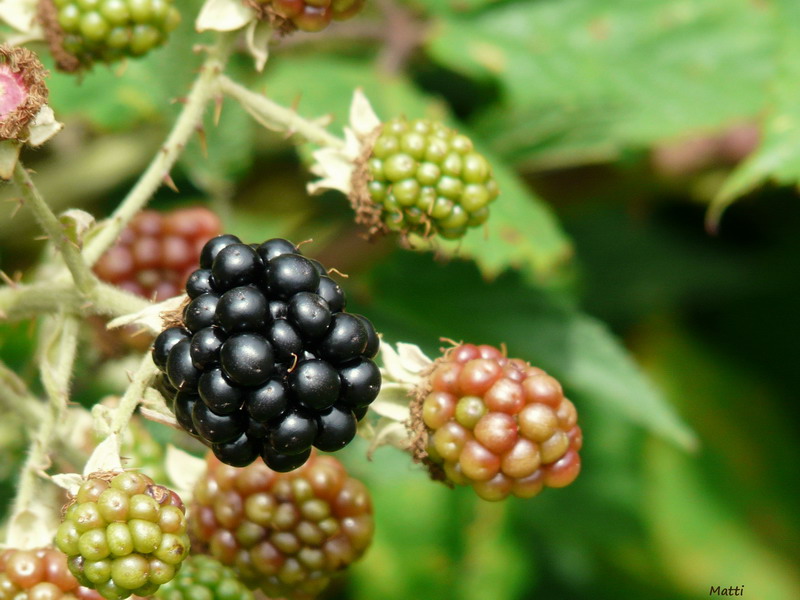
(158, 171)
(84, 280)
(276, 117)
(55, 376)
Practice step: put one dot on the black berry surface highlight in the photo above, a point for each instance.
(265, 361)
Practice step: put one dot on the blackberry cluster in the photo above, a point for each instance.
(427, 179)
(266, 361)
(82, 32)
(285, 533)
(499, 425)
(309, 15)
(157, 252)
(39, 575)
(203, 578)
(124, 535)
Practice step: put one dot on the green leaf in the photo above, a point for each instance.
(431, 541)
(453, 302)
(521, 232)
(777, 158)
(451, 7)
(583, 80)
(701, 541)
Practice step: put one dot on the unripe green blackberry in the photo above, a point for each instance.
(427, 179)
(306, 15)
(40, 574)
(82, 32)
(285, 533)
(124, 535)
(203, 578)
(496, 424)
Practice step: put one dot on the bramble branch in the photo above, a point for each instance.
(276, 117)
(84, 279)
(159, 169)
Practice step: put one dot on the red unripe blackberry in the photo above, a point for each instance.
(124, 535)
(285, 533)
(157, 252)
(40, 574)
(307, 15)
(497, 424)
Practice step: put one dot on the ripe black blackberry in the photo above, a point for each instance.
(265, 361)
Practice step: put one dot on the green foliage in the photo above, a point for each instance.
(553, 335)
(582, 80)
(679, 350)
(776, 158)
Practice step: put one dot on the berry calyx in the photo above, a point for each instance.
(22, 91)
(124, 535)
(424, 178)
(262, 363)
(81, 33)
(497, 424)
(285, 533)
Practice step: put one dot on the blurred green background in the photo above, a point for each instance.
(613, 126)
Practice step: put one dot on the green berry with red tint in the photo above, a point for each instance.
(204, 578)
(40, 574)
(82, 32)
(124, 535)
(498, 424)
(428, 180)
(285, 533)
(308, 15)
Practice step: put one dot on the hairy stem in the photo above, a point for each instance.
(158, 171)
(55, 364)
(276, 117)
(133, 395)
(84, 279)
(28, 301)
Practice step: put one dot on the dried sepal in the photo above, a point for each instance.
(153, 318)
(23, 92)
